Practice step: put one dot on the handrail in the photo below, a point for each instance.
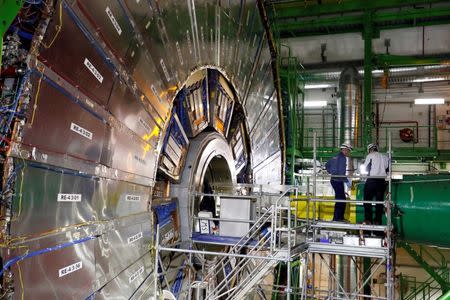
(240, 244)
(239, 267)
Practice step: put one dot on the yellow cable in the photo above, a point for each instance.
(36, 99)
(58, 27)
(21, 281)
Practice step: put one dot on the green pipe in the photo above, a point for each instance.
(421, 209)
(368, 34)
(446, 296)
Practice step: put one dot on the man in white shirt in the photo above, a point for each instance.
(376, 164)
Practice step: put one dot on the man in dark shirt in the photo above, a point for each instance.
(337, 165)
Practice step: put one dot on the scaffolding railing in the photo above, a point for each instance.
(240, 269)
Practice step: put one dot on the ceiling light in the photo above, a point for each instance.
(429, 101)
(408, 69)
(315, 103)
(318, 86)
(429, 79)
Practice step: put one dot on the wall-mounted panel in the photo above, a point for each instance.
(71, 54)
(52, 198)
(129, 110)
(119, 248)
(127, 282)
(67, 273)
(111, 22)
(57, 123)
(115, 199)
(130, 154)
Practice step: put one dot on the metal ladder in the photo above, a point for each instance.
(249, 271)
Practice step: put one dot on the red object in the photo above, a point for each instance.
(406, 135)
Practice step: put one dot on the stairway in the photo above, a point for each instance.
(439, 277)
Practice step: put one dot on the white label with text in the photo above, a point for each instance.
(93, 70)
(132, 198)
(136, 274)
(113, 20)
(81, 131)
(69, 197)
(70, 269)
(135, 237)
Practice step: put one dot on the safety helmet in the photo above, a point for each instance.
(346, 146)
(372, 146)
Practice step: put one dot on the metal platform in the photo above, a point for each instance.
(362, 251)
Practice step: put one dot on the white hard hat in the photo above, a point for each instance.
(372, 146)
(346, 146)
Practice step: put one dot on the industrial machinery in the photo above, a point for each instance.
(142, 155)
(110, 111)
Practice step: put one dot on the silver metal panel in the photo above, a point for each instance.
(131, 154)
(116, 199)
(124, 285)
(67, 273)
(58, 125)
(111, 23)
(37, 200)
(150, 83)
(127, 108)
(121, 247)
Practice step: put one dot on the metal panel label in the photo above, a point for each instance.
(136, 274)
(81, 131)
(113, 20)
(93, 70)
(144, 124)
(135, 237)
(133, 198)
(69, 197)
(155, 92)
(163, 66)
(70, 269)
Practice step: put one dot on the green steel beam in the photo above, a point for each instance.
(8, 11)
(295, 9)
(399, 60)
(335, 23)
(445, 286)
(367, 35)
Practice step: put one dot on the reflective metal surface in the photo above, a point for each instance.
(51, 198)
(70, 53)
(127, 282)
(58, 124)
(131, 58)
(111, 22)
(63, 274)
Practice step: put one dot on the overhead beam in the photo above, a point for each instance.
(295, 9)
(411, 17)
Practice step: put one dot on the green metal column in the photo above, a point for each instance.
(8, 11)
(367, 36)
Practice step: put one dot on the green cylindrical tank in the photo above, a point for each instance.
(421, 211)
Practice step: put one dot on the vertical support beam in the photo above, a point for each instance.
(368, 54)
(8, 11)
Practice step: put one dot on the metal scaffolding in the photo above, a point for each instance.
(233, 268)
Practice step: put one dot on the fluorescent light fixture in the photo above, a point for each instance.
(408, 69)
(317, 86)
(315, 103)
(428, 101)
(429, 79)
